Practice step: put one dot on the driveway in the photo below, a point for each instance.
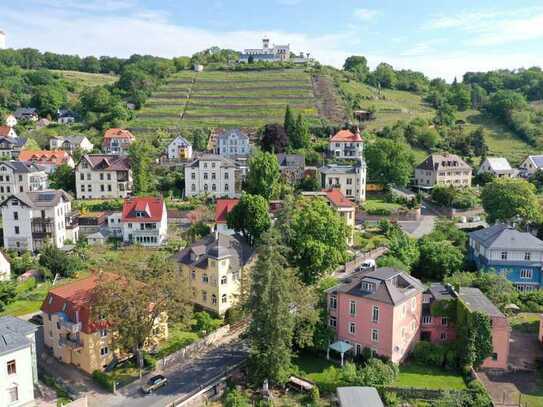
(422, 227)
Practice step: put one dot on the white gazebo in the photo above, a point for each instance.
(338, 346)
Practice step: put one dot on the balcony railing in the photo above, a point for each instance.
(72, 327)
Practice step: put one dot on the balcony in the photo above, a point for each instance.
(72, 220)
(71, 327)
(71, 343)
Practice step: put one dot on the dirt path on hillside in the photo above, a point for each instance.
(328, 102)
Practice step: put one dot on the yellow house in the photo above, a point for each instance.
(70, 333)
(215, 266)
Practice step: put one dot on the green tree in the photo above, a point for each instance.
(389, 162)
(444, 115)
(8, 293)
(139, 153)
(197, 231)
(289, 123)
(378, 373)
(63, 178)
(358, 65)
(264, 173)
(250, 217)
(384, 76)
(199, 139)
(438, 259)
(300, 136)
(476, 336)
(508, 199)
(205, 323)
(49, 98)
(59, 262)
(401, 246)
(503, 102)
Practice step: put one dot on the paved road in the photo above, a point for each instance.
(182, 379)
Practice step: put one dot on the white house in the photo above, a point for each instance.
(117, 141)
(213, 175)
(442, 169)
(31, 220)
(144, 221)
(5, 268)
(21, 176)
(103, 176)
(233, 143)
(10, 143)
(179, 149)
(497, 166)
(349, 179)
(71, 143)
(275, 53)
(114, 225)
(346, 145)
(18, 367)
(530, 165)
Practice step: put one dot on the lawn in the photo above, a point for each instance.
(87, 79)
(525, 322)
(413, 375)
(27, 301)
(177, 338)
(376, 202)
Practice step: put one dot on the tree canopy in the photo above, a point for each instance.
(250, 217)
(389, 162)
(264, 173)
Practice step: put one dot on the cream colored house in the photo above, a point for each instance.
(443, 169)
(215, 266)
(103, 176)
(349, 179)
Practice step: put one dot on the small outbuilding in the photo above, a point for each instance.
(357, 396)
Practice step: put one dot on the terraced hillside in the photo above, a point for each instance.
(227, 99)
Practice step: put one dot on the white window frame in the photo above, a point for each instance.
(375, 312)
(352, 328)
(352, 307)
(375, 335)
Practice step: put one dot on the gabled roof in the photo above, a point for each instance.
(225, 133)
(341, 169)
(225, 163)
(76, 140)
(499, 163)
(291, 160)
(22, 167)
(150, 209)
(118, 134)
(181, 139)
(389, 286)
(107, 162)
(13, 141)
(346, 136)
(54, 157)
(358, 396)
(537, 160)
(41, 199)
(13, 332)
(22, 111)
(223, 208)
(501, 236)
(4, 131)
(435, 162)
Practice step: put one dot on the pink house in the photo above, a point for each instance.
(380, 310)
(437, 328)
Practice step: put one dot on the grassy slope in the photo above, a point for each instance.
(87, 79)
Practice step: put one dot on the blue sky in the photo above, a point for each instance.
(441, 38)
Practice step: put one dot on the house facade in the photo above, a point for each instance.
(144, 221)
(232, 143)
(19, 176)
(443, 169)
(530, 165)
(179, 149)
(292, 167)
(10, 144)
(70, 332)
(50, 160)
(274, 53)
(214, 267)
(26, 114)
(516, 255)
(349, 179)
(71, 143)
(379, 310)
(18, 366)
(31, 220)
(222, 208)
(498, 167)
(346, 145)
(213, 175)
(103, 176)
(117, 141)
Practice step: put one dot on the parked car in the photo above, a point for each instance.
(368, 265)
(154, 383)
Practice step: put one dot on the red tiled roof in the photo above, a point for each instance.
(4, 131)
(118, 133)
(78, 297)
(347, 135)
(152, 207)
(337, 198)
(223, 208)
(55, 157)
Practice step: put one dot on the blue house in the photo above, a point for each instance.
(516, 255)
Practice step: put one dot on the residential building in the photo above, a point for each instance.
(11, 121)
(215, 266)
(442, 169)
(274, 53)
(530, 165)
(31, 220)
(65, 116)
(213, 175)
(47, 159)
(114, 225)
(5, 268)
(71, 143)
(353, 396)
(232, 143)
(345, 208)
(92, 222)
(8, 131)
(442, 305)
(71, 333)
(222, 208)
(349, 179)
(346, 145)
(497, 166)
(292, 167)
(18, 367)
(20, 176)
(379, 310)
(144, 221)
(10, 143)
(516, 255)
(179, 149)
(26, 114)
(117, 141)
(103, 176)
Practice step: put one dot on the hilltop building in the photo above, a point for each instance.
(530, 165)
(117, 141)
(213, 175)
(10, 144)
(349, 179)
(273, 53)
(498, 167)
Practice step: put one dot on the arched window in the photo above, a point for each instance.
(213, 299)
(224, 299)
(224, 280)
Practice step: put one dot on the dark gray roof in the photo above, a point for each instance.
(435, 162)
(71, 139)
(476, 301)
(441, 292)
(40, 199)
(235, 247)
(390, 286)
(13, 333)
(291, 160)
(13, 141)
(213, 157)
(25, 111)
(233, 132)
(501, 236)
(22, 167)
(537, 159)
(341, 169)
(358, 396)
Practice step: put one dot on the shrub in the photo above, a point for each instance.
(103, 380)
(379, 212)
(378, 373)
(149, 361)
(315, 394)
(205, 323)
(391, 399)
(426, 353)
(233, 315)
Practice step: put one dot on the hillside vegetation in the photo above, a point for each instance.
(86, 78)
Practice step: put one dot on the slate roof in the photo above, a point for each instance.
(225, 133)
(358, 396)
(41, 199)
(499, 163)
(153, 208)
(340, 169)
(501, 236)
(390, 286)
(476, 301)
(435, 162)
(346, 136)
(22, 167)
(213, 157)
(13, 141)
(441, 292)
(23, 111)
(13, 333)
(291, 160)
(108, 162)
(235, 247)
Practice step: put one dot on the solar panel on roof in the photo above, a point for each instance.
(46, 197)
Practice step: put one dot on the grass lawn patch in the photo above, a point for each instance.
(413, 375)
(178, 338)
(376, 203)
(525, 322)
(27, 301)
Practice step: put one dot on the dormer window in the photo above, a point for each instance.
(365, 286)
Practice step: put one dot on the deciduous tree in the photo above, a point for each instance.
(140, 162)
(250, 217)
(389, 162)
(274, 139)
(264, 173)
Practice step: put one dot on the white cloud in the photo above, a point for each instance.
(365, 14)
